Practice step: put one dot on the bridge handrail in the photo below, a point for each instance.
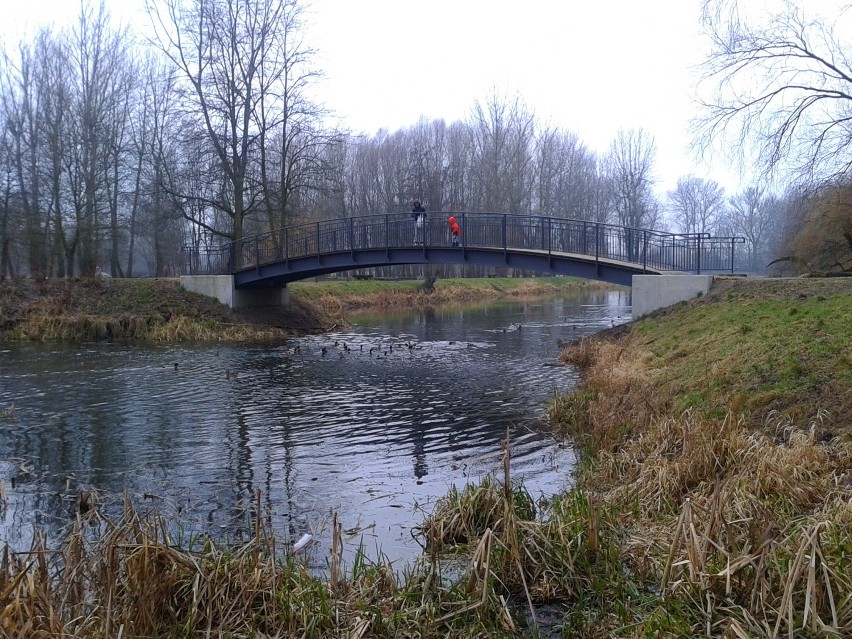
(650, 248)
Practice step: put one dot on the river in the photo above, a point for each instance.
(374, 423)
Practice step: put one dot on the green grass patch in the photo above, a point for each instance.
(785, 354)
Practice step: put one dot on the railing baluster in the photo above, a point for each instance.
(597, 241)
(699, 254)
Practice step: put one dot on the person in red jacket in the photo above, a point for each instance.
(455, 229)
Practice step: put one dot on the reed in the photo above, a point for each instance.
(77, 328)
(128, 577)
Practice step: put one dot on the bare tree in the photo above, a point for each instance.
(100, 60)
(781, 88)
(239, 62)
(696, 205)
(503, 135)
(160, 123)
(23, 119)
(294, 153)
(751, 215)
(457, 168)
(7, 181)
(57, 90)
(566, 176)
(631, 162)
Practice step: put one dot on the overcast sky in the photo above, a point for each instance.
(589, 66)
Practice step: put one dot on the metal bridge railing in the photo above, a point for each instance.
(647, 248)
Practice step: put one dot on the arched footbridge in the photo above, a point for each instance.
(548, 245)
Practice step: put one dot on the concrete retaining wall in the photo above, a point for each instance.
(651, 292)
(221, 287)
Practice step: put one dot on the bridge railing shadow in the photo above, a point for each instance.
(650, 249)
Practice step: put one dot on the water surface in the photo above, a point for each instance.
(374, 423)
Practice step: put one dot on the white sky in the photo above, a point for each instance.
(589, 66)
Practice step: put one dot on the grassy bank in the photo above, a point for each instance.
(718, 434)
(347, 295)
(160, 310)
(138, 309)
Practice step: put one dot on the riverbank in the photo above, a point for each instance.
(160, 310)
(717, 438)
(138, 309)
(340, 297)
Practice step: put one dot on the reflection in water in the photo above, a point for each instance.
(374, 423)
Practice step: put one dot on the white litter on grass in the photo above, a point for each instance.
(303, 542)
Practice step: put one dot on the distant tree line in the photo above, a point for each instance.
(117, 154)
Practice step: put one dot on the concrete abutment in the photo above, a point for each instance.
(221, 287)
(651, 292)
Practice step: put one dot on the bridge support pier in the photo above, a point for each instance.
(221, 287)
(651, 292)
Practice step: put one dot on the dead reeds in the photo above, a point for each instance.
(127, 577)
(177, 328)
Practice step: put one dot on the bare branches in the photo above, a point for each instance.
(782, 90)
(630, 164)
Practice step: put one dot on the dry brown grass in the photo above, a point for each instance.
(128, 578)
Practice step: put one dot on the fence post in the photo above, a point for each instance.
(597, 241)
(644, 251)
(699, 254)
(505, 247)
(549, 236)
(732, 255)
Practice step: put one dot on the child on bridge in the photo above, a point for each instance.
(455, 229)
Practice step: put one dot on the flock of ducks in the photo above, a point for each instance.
(378, 351)
(341, 349)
